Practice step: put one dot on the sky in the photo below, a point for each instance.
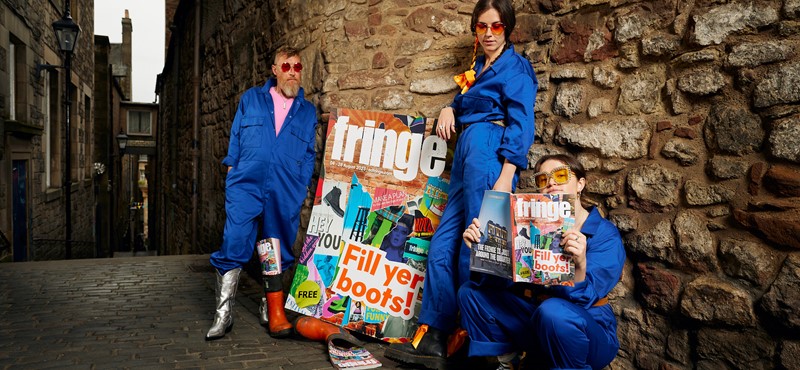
(147, 17)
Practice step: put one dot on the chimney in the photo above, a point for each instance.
(127, 52)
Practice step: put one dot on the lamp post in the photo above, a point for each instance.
(122, 141)
(67, 35)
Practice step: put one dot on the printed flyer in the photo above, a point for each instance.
(380, 198)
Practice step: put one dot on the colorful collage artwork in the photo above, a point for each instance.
(380, 198)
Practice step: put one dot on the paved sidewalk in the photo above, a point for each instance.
(139, 313)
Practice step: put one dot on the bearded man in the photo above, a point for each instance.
(270, 162)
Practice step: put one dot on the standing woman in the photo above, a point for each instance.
(560, 327)
(494, 112)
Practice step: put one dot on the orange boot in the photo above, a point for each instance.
(316, 329)
(279, 327)
(455, 341)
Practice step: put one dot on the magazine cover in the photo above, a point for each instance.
(493, 254)
(379, 199)
(521, 236)
(269, 254)
(345, 355)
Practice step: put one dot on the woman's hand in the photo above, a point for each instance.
(473, 233)
(503, 182)
(446, 123)
(574, 244)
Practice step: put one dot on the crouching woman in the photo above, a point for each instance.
(560, 327)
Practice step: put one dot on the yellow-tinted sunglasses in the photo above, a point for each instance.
(560, 175)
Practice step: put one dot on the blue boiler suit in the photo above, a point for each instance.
(269, 177)
(562, 332)
(504, 92)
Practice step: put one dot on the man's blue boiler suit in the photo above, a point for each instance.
(269, 176)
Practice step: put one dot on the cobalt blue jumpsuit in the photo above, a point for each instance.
(566, 331)
(269, 177)
(505, 92)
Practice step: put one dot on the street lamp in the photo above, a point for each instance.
(66, 31)
(67, 35)
(122, 139)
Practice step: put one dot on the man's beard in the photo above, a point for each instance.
(290, 90)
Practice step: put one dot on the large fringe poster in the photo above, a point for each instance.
(379, 199)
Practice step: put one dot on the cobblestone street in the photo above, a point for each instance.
(137, 312)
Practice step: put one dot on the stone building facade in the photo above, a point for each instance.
(685, 113)
(108, 95)
(122, 193)
(32, 150)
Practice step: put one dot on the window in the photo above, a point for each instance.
(74, 130)
(55, 126)
(48, 118)
(139, 122)
(12, 77)
(18, 80)
(75, 11)
(87, 136)
(52, 130)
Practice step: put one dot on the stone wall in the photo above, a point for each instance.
(685, 113)
(30, 23)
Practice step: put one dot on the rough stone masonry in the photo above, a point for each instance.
(685, 113)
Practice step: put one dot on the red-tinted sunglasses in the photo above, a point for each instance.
(497, 28)
(285, 67)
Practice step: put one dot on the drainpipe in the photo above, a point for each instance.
(113, 169)
(196, 118)
(173, 143)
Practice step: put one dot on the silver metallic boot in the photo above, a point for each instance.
(263, 317)
(226, 296)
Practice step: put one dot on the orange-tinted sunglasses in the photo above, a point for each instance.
(285, 67)
(497, 28)
(561, 175)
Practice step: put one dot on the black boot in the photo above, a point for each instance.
(332, 200)
(430, 351)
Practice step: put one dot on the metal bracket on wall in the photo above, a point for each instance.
(41, 67)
